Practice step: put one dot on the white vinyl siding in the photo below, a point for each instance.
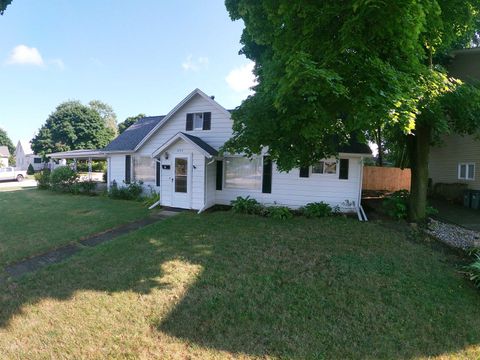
(117, 169)
(289, 189)
(444, 160)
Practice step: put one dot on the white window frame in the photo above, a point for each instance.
(198, 116)
(337, 165)
(226, 186)
(467, 172)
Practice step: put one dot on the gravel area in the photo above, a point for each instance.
(453, 235)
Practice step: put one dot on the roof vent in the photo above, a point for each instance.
(212, 97)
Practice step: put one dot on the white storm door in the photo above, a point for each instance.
(181, 181)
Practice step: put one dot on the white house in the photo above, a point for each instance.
(177, 155)
(4, 155)
(24, 156)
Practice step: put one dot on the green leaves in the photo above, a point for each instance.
(72, 126)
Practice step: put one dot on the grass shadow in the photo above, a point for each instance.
(330, 288)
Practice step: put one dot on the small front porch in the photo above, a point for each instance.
(185, 172)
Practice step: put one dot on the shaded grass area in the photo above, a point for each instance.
(33, 221)
(221, 285)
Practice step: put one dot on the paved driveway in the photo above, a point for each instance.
(12, 185)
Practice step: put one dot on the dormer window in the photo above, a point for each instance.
(198, 121)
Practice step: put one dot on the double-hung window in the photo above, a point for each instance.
(325, 167)
(198, 121)
(466, 171)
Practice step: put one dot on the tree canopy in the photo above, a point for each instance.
(72, 126)
(330, 69)
(3, 5)
(106, 113)
(124, 125)
(5, 141)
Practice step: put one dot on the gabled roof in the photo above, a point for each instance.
(130, 138)
(198, 143)
(4, 151)
(178, 107)
(27, 150)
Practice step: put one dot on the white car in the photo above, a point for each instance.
(9, 173)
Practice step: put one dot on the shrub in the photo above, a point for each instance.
(316, 209)
(396, 205)
(84, 187)
(473, 270)
(246, 205)
(63, 179)
(30, 170)
(279, 212)
(130, 191)
(43, 179)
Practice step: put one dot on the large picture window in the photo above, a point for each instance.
(243, 173)
(143, 169)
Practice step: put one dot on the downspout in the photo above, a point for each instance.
(360, 212)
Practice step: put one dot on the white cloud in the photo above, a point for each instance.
(191, 64)
(241, 79)
(24, 55)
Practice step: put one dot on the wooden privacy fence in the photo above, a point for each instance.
(385, 178)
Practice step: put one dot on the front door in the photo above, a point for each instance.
(181, 182)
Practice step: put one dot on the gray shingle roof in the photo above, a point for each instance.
(131, 137)
(4, 151)
(202, 144)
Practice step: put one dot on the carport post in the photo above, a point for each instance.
(90, 168)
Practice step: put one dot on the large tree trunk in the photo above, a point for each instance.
(419, 147)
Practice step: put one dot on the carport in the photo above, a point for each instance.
(76, 155)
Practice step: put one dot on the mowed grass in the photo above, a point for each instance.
(222, 286)
(33, 221)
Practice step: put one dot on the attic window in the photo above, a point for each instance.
(198, 121)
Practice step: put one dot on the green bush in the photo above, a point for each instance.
(316, 210)
(473, 270)
(30, 170)
(43, 179)
(63, 179)
(132, 191)
(246, 205)
(396, 205)
(97, 166)
(279, 212)
(84, 187)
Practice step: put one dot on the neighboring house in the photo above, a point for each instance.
(24, 156)
(177, 155)
(457, 158)
(4, 155)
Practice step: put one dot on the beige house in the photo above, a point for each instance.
(457, 159)
(4, 155)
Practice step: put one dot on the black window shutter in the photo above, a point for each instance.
(157, 173)
(304, 171)
(128, 168)
(207, 120)
(267, 175)
(343, 169)
(219, 174)
(189, 125)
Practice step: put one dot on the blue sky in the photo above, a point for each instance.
(138, 56)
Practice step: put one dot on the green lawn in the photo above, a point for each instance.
(33, 221)
(227, 286)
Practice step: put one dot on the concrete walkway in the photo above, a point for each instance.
(55, 256)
